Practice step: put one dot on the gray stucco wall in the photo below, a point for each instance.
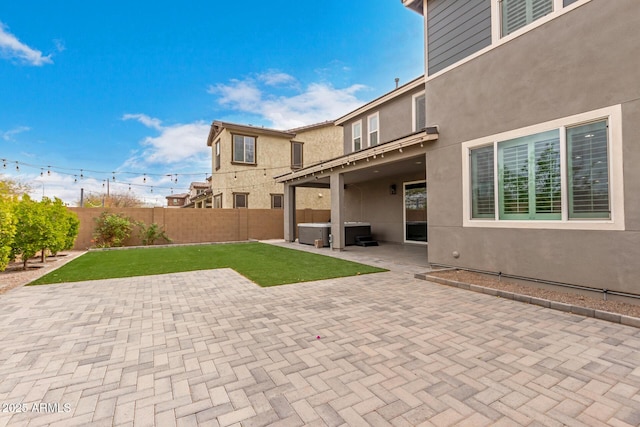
(372, 202)
(584, 60)
(395, 116)
(456, 29)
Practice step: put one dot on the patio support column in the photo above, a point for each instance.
(289, 213)
(337, 210)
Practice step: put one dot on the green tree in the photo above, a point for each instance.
(32, 229)
(112, 230)
(7, 230)
(62, 226)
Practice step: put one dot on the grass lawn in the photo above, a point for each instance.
(266, 265)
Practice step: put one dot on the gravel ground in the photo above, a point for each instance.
(618, 307)
(14, 276)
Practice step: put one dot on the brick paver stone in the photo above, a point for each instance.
(212, 348)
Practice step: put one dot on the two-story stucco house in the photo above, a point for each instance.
(532, 172)
(246, 158)
(380, 178)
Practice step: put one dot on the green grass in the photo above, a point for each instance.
(266, 265)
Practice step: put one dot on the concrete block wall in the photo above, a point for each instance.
(200, 225)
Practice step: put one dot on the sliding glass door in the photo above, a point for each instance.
(415, 211)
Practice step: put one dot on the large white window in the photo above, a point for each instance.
(566, 173)
(356, 135)
(244, 149)
(419, 112)
(373, 127)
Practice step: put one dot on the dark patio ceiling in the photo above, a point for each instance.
(406, 166)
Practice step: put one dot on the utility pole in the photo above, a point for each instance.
(82, 197)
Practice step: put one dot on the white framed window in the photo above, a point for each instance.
(244, 149)
(566, 173)
(419, 118)
(515, 14)
(356, 136)
(373, 129)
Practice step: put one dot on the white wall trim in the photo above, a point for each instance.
(616, 174)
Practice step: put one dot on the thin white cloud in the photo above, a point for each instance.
(8, 135)
(12, 48)
(277, 78)
(183, 145)
(145, 120)
(317, 102)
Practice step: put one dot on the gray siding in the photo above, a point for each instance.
(395, 120)
(582, 70)
(455, 30)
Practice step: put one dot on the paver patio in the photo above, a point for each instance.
(212, 348)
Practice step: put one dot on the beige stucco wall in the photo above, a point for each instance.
(273, 158)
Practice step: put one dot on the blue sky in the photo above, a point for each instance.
(132, 87)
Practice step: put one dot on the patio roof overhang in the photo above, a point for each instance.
(347, 160)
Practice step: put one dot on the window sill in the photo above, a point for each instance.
(605, 225)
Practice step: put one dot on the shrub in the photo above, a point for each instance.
(152, 233)
(112, 230)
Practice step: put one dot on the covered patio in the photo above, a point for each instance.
(370, 186)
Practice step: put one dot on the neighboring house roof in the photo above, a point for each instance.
(199, 185)
(218, 126)
(177, 196)
(413, 84)
(313, 126)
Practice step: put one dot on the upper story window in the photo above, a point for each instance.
(515, 14)
(244, 149)
(356, 135)
(419, 113)
(373, 127)
(566, 171)
(217, 155)
(296, 155)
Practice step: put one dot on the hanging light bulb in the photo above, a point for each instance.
(235, 176)
(41, 172)
(114, 175)
(4, 164)
(145, 178)
(176, 180)
(49, 170)
(265, 172)
(75, 178)
(129, 187)
(81, 174)
(17, 167)
(152, 189)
